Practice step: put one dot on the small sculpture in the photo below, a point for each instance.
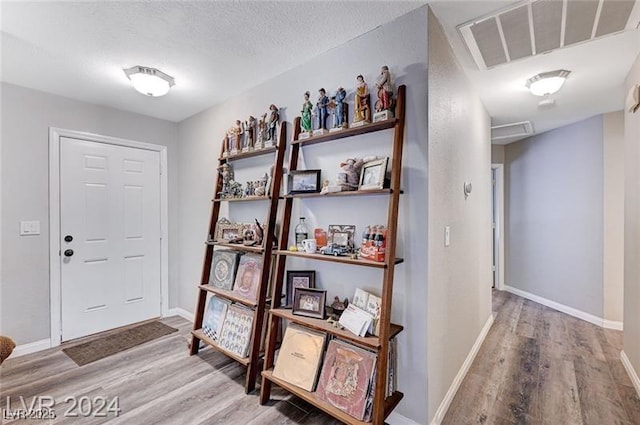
(259, 232)
(248, 190)
(384, 104)
(321, 106)
(272, 124)
(225, 146)
(305, 114)
(362, 113)
(337, 308)
(340, 113)
(239, 133)
(261, 188)
(249, 130)
(226, 172)
(262, 129)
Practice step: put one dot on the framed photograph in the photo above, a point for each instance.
(304, 181)
(373, 174)
(342, 234)
(298, 279)
(226, 232)
(309, 302)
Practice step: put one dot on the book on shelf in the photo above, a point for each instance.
(214, 317)
(248, 276)
(300, 357)
(223, 268)
(236, 330)
(347, 379)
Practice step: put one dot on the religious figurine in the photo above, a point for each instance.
(225, 146)
(321, 107)
(248, 190)
(384, 104)
(249, 130)
(272, 124)
(226, 172)
(339, 110)
(362, 113)
(237, 128)
(262, 130)
(231, 140)
(305, 115)
(261, 190)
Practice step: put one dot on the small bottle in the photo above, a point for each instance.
(302, 233)
(379, 236)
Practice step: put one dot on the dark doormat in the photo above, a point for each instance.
(108, 345)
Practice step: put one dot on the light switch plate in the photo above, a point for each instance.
(447, 235)
(29, 228)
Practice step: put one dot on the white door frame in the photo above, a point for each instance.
(499, 238)
(55, 280)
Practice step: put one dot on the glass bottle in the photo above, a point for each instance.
(302, 233)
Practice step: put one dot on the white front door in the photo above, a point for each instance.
(109, 236)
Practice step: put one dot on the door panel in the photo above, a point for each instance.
(110, 204)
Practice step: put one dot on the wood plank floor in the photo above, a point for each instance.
(540, 366)
(156, 383)
(537, 366)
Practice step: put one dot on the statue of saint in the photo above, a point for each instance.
(272, 124)
(362, 106)
(340, 119)
(322, 106)
(385, 89)
(305, 117)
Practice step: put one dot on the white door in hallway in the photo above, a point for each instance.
(110, 236)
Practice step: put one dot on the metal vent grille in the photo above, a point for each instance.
(507, 131)
(539, 26)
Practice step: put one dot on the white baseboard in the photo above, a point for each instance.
(32, 347)
(630, 371)
(180, 312)
(397, 419)
(608, 324)
(457, 381)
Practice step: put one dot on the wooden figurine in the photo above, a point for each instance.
(237, 128)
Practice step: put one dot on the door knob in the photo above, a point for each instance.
(68, 252)
(68, 238)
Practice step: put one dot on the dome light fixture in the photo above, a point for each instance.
(149, 81)
(547, 83)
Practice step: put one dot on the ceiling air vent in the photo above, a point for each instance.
(539, 26)
(508, 131)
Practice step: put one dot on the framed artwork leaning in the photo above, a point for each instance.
(309, 302)
(298, 279)
(248, 276)
(373, 174)
(223, 268)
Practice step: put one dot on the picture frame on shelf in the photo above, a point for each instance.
(303, 181)
(309, 302)
(227, 232)
(298, 279)
(342, 235)
(373, 174)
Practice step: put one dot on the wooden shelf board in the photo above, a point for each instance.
(339, 259)
(389, 404)
(243, 155)
(243, 199)
(237, 246)
(346, 193)
(372, 342)
(354, 131)
(201, 336)
(230, 295)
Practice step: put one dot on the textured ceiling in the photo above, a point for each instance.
(213, 49)
(598, 69)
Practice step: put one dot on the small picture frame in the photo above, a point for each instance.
(309, 302)
(373, 174)
(342, 235)
(227, 232)
(298, 279)
(304, 181)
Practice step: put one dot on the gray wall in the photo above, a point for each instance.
(459, 283)
(497, 154)
(26, 118)
(402, 44)
(554, 215)
(632, 227)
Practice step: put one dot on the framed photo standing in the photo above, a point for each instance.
(304, 181)
(298, 279)
(309, 302)
(342, 234)
(373, 174)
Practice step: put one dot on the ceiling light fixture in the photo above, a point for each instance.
(547, 83)
(149, 81)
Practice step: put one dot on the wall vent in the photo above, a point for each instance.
(533, 27)
(507, 131)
